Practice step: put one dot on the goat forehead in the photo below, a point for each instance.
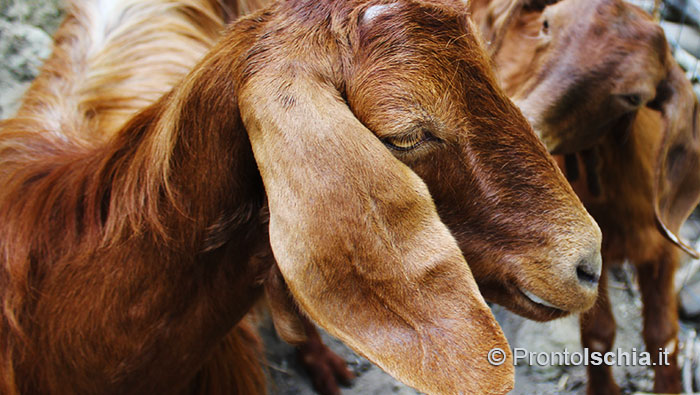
(598, 31)
(376, 10)
(422, 80)
(417, 36)
(609, 7)
(414, 38)
(627, 22)
(404, 16)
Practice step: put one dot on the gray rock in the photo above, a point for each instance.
(10, 94)
(689, 299)
(23, 49)
(45, 14)
(25, 41)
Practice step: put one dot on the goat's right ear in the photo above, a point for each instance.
(360, 245)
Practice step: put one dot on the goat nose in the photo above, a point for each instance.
(588, 269)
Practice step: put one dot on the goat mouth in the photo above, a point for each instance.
(537, 300)
(514, 298)
(539, 309)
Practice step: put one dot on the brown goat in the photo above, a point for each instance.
(126, 263)
(123, 62)
(600, 86)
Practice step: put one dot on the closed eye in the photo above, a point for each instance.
(409, 141)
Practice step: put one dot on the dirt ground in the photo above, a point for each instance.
(25, 29)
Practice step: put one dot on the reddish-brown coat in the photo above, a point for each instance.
(598, 82)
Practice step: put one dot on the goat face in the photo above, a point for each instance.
(429, 96)
(331, 114)
(582, 70)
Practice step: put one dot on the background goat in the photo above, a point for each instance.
(600, 86)
(154, 262)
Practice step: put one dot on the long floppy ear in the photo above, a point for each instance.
(359, 243)
(677, 174)
(500, 15)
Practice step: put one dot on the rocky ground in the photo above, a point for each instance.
(25, 37)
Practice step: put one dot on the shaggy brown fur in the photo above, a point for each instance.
(109, 63)
(111, 59)
(600, 85)
(125, 264)
(104, 68)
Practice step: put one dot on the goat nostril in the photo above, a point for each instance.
(587, 272)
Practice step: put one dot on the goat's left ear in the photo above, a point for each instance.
(677, 180)
(360, 245)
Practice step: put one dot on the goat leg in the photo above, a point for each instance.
(661, 319)
(591, 161)
(325, 368)
(571, 167)
(598, 335)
